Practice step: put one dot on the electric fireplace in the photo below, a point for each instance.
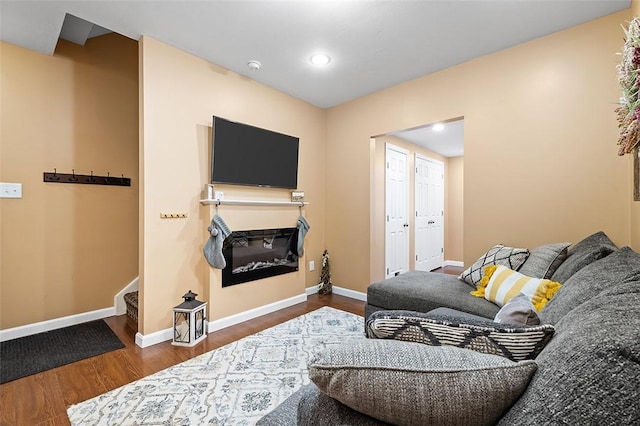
(256, 254)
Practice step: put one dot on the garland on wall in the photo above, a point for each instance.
(629, 79)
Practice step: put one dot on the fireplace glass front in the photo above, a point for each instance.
(256, 254)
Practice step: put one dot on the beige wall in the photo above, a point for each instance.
(540, 160)
(67, 249)
(540, 165)
(452, 195)
(179, 95)
(454, 186)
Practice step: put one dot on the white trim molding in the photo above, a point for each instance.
(457, 263)
(358, 295)
(339, 291)
(254, 313)
(118, 299)
(145, 340)
(54, 324)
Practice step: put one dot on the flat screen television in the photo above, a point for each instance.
(247, 155)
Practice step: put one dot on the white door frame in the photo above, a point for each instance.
(396, 214)
(429, 223)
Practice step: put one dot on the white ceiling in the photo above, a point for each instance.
(448, 142)
(373, 44)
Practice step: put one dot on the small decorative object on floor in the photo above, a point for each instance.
(325, 275)
(189, 327)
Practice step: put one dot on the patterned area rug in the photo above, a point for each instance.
(236, 384)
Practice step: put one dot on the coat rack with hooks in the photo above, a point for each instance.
(55, 177)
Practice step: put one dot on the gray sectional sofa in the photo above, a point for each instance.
(588, 373)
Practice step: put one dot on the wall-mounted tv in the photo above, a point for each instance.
(247, 155)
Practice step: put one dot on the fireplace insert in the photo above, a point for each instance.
(260, 253)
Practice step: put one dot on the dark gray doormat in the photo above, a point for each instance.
(43, 351)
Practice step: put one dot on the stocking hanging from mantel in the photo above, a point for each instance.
(303, 228)
(218, 231)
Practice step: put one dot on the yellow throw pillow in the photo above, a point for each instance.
(501, 284)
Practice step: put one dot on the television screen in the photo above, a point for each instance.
(247, 155)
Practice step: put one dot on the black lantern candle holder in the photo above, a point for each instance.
(189, 321)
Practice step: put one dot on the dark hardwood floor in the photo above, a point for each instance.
(42, 399)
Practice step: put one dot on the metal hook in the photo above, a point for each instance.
(91, 179)
(55, 176)
(73, 176)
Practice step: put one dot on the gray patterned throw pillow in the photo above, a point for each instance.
(411, 384)
(510, 257)
(543, 261)
(513, 341)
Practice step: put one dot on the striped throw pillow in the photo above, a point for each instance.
(501, 284)
(513, 341)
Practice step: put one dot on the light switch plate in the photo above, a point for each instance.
(10, 190)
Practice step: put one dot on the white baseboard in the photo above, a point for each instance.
(256, 312)
(145, 340)
(457, 263)
(340, 291)
(118, 299)
(54, 324)
(358, 295)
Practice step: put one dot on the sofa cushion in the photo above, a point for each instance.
(317, 409)
(455, 313)
(511, 341)
(499, 254)
(409, 383)
(518, 310)
(588, 374)
(588, 282)
(309, 406)
(501, 284)
(424, 291)
(286, 413)
(590, 249)
(544, 260)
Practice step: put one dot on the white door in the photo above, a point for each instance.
(429, 205)
(397, 221)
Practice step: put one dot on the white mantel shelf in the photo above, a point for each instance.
(254, 203)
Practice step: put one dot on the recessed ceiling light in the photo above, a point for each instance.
(320, 59)
(254, 65)
(438, 127)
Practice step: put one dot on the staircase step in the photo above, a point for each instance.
(131, 301)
